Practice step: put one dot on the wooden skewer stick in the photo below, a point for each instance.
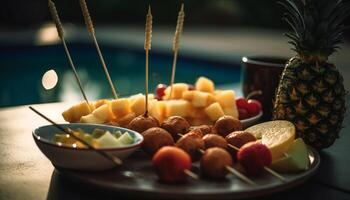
(113, 159)
(91, 30)
(232, 170)
(176, 45)
(191, 174)
(274, 173)
(147, 47)
(60, 32)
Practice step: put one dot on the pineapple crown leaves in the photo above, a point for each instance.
(318, 25)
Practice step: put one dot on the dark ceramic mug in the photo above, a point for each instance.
(262, 73)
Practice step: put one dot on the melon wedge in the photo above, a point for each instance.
(276, 135)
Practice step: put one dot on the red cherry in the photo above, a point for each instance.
(243, 113)
(242, 103)
(253, 107)
(160, 91)
(191, 87)
(253, 156)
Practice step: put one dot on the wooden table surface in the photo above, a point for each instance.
(25, 173)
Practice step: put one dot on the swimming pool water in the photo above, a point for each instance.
(22, 67)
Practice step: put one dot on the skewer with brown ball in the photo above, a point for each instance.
(226, 125)
(144, 122)
(216, 162)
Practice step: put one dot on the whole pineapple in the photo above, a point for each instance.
(311, 93)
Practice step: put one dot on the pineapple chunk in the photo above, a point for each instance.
(178, 90)
(226, 98)
(177, 108)
(188, 95)
(137, 104)
(200, 99)
(157, 110)
(74, 113)
(233, 112)
(104, 113)
(90, 118)
(100, 103)
(205, 85)
(120, 107)
(214, 111)
(196, 112)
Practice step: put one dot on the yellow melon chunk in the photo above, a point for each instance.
(195, 112)
(90, 118)
(157, 110)
(74, 113)
(214, 111)
(100, 102)
(226, 99)
(120, 107)
(104, 113)
(200, 99)
(233, 112)
(177, 108)
(188, 95)
(178, 90)
(205, 85)
(137, 104)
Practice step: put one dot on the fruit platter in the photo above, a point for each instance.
(194, 140)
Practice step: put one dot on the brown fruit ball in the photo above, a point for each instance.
(226, 125)
(142, 123)
(214, 162)
(239, 138)
(214, 140)
(196, 132)
(205, 129)
(191, 143)
(155, 138)
(176, 125)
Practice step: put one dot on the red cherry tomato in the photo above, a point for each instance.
(160, 91)
(191, 87)
(253, 107)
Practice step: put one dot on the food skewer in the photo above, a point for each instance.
(269, 170)
(91, 30)
(60, 32)
(176, 45)
(191, 174)
(147, 47)
(113, 159)
(231, 169)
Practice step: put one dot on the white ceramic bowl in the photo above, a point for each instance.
(251, 121)
(82, 158)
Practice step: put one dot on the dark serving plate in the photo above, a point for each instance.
(136, 178)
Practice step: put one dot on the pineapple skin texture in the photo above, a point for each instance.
(312, 96)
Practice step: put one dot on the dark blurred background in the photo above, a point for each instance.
(22, 14)
(217, 34)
